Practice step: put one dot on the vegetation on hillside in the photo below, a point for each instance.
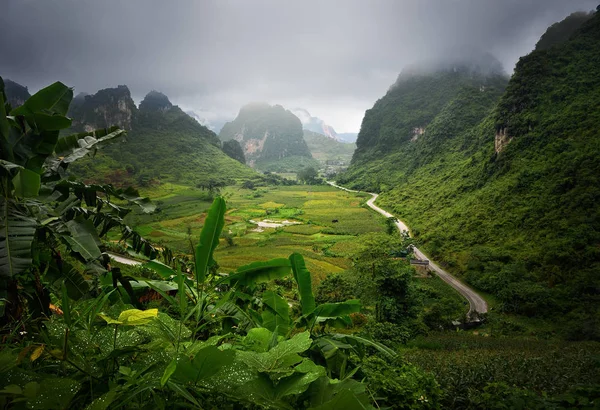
(517, 219)
(267, 134)
(327, 150)
(164, 145)
(234, 150)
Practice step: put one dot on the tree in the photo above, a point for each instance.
(308, 175)
(233, 149)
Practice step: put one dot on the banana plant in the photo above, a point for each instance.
(40, 211)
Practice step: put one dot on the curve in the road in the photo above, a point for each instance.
(476, 302)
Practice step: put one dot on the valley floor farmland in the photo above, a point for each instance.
(326, 245)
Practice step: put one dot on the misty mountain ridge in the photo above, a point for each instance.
(315, 124)
(462, 61)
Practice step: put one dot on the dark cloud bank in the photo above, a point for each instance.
(334, 58)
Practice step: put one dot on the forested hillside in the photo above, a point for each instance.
(270, 136)
(328, 150)
(163, 144)
(501, 186)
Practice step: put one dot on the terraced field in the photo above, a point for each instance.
(325, 244)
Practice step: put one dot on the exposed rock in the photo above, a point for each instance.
(266, 133)
(417, 132)
(15, 93)
(501, 140)
(108, 107)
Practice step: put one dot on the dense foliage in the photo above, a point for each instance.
(327, 150)
(518, 218)
(234, 150)
(560, 32)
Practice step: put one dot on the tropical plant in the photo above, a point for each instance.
(44, 215)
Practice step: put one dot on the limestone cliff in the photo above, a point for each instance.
(108, 107)
(266, 133)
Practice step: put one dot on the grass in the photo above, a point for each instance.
(464, 362)
(326, 245)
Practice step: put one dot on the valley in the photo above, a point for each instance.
(213, 245)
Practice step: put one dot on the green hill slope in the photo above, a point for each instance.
(163, 144)
(327, 150)
(505, 192)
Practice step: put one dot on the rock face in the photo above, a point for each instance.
(315, 124)
(108, 107)
(15, 93)
(266, 133)
(501, 140)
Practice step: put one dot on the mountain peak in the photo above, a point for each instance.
(16, 93)
(108, 107)
(315, 124)
(266, 133)
(155, 101)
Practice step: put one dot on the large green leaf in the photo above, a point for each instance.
(303, 279)
(75, 284)
(345, 399)
(277, 314)
(163, 270)
(324, 390)
(333, 310)
(26, 183)
(259, 272)
(280, 358)
(205, 364)
(9, 166)
(304, 374)
(4, 126)
(85, 145)
(16, 236)
(209, 238)
(83, 239)
(54, 99)
(277, 303)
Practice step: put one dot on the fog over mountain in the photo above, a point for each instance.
(212, 57)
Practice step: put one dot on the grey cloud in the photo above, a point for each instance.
(332, 57)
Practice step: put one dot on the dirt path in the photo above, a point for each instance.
(476, 302)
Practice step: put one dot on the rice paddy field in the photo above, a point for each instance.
(324, 224)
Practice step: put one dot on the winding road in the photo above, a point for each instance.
(476, 302)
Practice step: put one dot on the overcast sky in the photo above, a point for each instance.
(334, 58)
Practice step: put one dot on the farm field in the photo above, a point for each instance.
(326, 245)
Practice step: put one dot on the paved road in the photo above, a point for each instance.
(476, 302)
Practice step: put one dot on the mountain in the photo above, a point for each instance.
(15, 93)
(163, 143)
(349, 137)
(271, 137)
(503, 186)
(560, 32)
(328, 151)
(108, 107)
(314, 124)
(209, 120)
